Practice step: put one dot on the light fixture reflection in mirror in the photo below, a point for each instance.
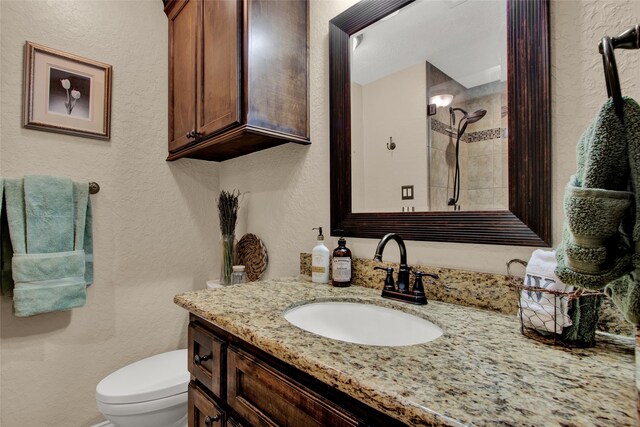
(357, 40)
(441, 100)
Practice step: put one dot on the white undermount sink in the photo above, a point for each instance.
(360, 323)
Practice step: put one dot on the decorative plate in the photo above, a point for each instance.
(252, 253)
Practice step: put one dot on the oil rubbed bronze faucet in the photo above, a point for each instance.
(403, 272)
(402, 293)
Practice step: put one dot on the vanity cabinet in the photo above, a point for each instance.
(238, 76)
(235, 384)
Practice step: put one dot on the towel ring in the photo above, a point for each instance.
(630, 39)
(611, 75)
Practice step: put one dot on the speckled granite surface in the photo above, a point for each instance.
(481, 372)
(468, 288)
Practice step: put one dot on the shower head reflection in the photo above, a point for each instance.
(467, 118)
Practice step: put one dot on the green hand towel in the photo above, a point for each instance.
(48, 225)
(6, 254)
(88, 244)
(49, 213)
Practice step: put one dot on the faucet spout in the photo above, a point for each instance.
(383, 243)
(403, 271)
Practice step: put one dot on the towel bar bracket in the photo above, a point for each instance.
(93, 187)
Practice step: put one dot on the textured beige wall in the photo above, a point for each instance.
(285, 201)
(394, 106)
(155, 223)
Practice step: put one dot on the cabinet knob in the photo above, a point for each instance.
(194, 134)
(197, 359)
(208, 421)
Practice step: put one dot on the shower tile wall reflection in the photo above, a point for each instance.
(482, 151)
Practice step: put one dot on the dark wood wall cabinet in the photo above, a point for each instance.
(234, 383)
(238, 76)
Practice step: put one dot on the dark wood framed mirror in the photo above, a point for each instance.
(527, 222)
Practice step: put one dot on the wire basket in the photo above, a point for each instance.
(566, 318)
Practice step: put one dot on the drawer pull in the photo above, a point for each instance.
(197, 359)
(208, 421)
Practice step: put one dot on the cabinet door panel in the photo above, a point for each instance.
(265, 397)
(206, 359)
(182, 73)
(278, 75)
(219, 66)
(202, 411)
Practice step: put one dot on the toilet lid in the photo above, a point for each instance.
(153, 378)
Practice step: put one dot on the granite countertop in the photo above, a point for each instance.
(481, 372)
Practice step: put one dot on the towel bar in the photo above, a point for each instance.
(93, 187)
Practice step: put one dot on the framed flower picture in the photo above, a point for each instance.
(66, 93)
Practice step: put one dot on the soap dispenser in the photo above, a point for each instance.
(320, 260)
(341, 265)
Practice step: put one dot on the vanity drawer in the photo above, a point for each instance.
(206, 359)
(203, 412)
(265, 397)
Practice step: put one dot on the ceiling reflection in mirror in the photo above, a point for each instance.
(429, 109)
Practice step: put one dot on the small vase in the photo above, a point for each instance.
(227, 258)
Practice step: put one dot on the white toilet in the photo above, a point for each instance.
(148, 393)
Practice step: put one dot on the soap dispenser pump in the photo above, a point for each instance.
(320, 260)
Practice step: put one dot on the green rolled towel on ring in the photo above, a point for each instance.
(601, 230)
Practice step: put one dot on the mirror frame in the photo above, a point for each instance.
(528, 220)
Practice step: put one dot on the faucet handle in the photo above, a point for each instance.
(389, 284)
(418, 288)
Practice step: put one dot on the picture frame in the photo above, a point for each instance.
(66, 93)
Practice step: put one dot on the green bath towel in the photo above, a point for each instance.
(602, 210)
(49, 221)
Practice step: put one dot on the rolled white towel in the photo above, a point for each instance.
(540, 310)
(214, 284)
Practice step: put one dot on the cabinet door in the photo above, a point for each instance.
(265, 397)
(278, 76)
(219, 56)
(203, 412)
(182, 72)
